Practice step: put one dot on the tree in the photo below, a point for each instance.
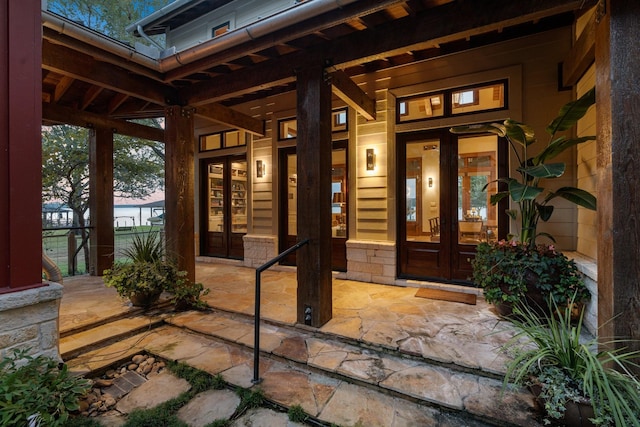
(109, 17)
(138, 170)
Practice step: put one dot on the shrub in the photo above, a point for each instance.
(37, 388)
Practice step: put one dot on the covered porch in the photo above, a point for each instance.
(384, 352)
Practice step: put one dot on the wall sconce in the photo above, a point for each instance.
(371, 159)
(259, 168)
(430, 182)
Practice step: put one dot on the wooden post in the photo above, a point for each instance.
(101, 199)
(179, 187)
(618, 154)
(20, 145)
(314, 196)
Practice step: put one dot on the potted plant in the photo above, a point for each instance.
(511, 271)
(574, 383)
(145, 274)
(186, 294)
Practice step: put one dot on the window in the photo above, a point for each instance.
(421, 107)
(288, 128)
(339, 122)
(230, 138)
(482, 98)
(451, 102)
(220, 29)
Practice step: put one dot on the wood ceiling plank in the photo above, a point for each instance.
(429, 28)
(89, 96)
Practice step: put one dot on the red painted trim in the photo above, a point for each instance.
(21, 155)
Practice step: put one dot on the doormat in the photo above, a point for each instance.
(444, 295)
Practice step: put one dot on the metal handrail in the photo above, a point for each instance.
(256, 341)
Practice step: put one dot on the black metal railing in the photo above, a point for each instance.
(256, 341)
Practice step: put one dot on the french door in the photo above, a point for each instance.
(443, 209)
(225, 207)
(288, 205)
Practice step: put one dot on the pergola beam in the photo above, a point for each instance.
(66, 115)
(65, 61)
(228, 116)
(351, 93)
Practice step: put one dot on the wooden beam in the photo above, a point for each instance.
(62, 87)
(351, 93)
(618, 98)
(70, 116)
(240, 82)
(65, 61)
(101, 200)
(581, 55)
(228, 116)
(314, 196)
(180, 188)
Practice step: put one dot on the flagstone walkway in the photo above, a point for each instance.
(387, 358)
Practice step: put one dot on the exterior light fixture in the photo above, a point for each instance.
(259, 168)
(371, 159)
(430, 182)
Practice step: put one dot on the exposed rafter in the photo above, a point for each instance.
(355, 97)
(228, 116)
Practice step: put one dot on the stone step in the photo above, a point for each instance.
(447, 387)
(290, 341)
(86, 339)
(329, 397)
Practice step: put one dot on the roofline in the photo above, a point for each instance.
(161, 14)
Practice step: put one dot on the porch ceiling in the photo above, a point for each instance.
(89, 80)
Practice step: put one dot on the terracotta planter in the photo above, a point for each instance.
(144, 299)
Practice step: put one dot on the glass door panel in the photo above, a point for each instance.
(239, 197)
(422, 197)
(226, 208)
(477, 169)
(339, 203)
(423, 239)
(216, 197)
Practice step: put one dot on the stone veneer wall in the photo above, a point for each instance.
(29, 320)
(259, 249)
(589, 270)
(369, 261)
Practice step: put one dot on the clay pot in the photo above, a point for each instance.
(144, 299)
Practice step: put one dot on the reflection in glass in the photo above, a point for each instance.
(477, 169)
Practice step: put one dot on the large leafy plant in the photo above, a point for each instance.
(526, 191)
(507, 271)
(36, 391)
(551, 355)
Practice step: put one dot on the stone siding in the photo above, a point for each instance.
(259, 249)
(373, 262)
(29, 320)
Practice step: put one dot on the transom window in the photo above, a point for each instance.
(230, 138)
(288, 128)
(451, 102)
